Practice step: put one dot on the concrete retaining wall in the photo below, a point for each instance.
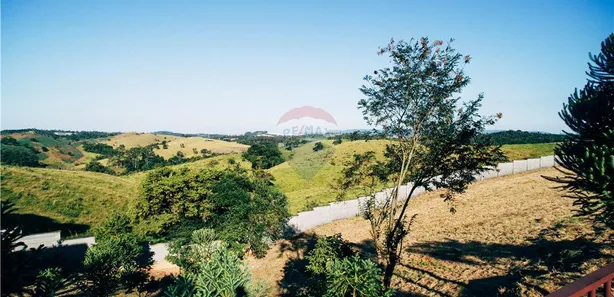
(547, 161)
(48, 239)
(505, 169)
(520, 166)
(318, 216)
(533, 164)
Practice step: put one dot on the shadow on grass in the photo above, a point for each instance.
(32, 224)
(538, 258)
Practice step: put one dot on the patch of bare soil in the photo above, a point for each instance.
(513, 236)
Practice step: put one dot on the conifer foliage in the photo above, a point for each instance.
(587, 154)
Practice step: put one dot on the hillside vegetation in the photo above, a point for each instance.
(85, 198)
(523, 137)
(54, 152)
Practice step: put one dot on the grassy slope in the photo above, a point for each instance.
(198, 143)
(308, 177)
(130, 140)
(526, 151)
(66, 196)
(514, 230)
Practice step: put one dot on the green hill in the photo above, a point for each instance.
(71, 200)
(308, 177)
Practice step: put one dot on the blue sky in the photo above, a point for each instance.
(231, 67)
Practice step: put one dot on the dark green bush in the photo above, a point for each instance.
(246, 211)
(119, 259)
(263, 155)
(95, 166)
(18, 155)
(326, 251)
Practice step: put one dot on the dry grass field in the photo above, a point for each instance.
(132, 139)
(198, 143)
(176, 143)
(511, 236)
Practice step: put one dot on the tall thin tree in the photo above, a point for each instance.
(435, 141)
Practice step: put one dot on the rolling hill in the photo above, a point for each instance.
(67, 199)
(74, 200)
(176, 143)
(308, 177)
(54, 152)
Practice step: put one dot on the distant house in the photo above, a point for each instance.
(265, 135)
(63, 133)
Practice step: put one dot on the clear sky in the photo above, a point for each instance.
(230, 67)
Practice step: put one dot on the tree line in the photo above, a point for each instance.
(523, 137)
(68, 134)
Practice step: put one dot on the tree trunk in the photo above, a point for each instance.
(392, 263)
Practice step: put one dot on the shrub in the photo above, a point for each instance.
(118, 259)
(44, 149)
(201, 245)
(48, 282)
(318, 146)
(18, 155)
(356, 277)
(326, 251)
(222, 274)
(8, 140)
(245, 211)
(337, 141)
(205, 152)
(95, 166)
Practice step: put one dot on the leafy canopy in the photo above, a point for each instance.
(245, 210)
(263, 155)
